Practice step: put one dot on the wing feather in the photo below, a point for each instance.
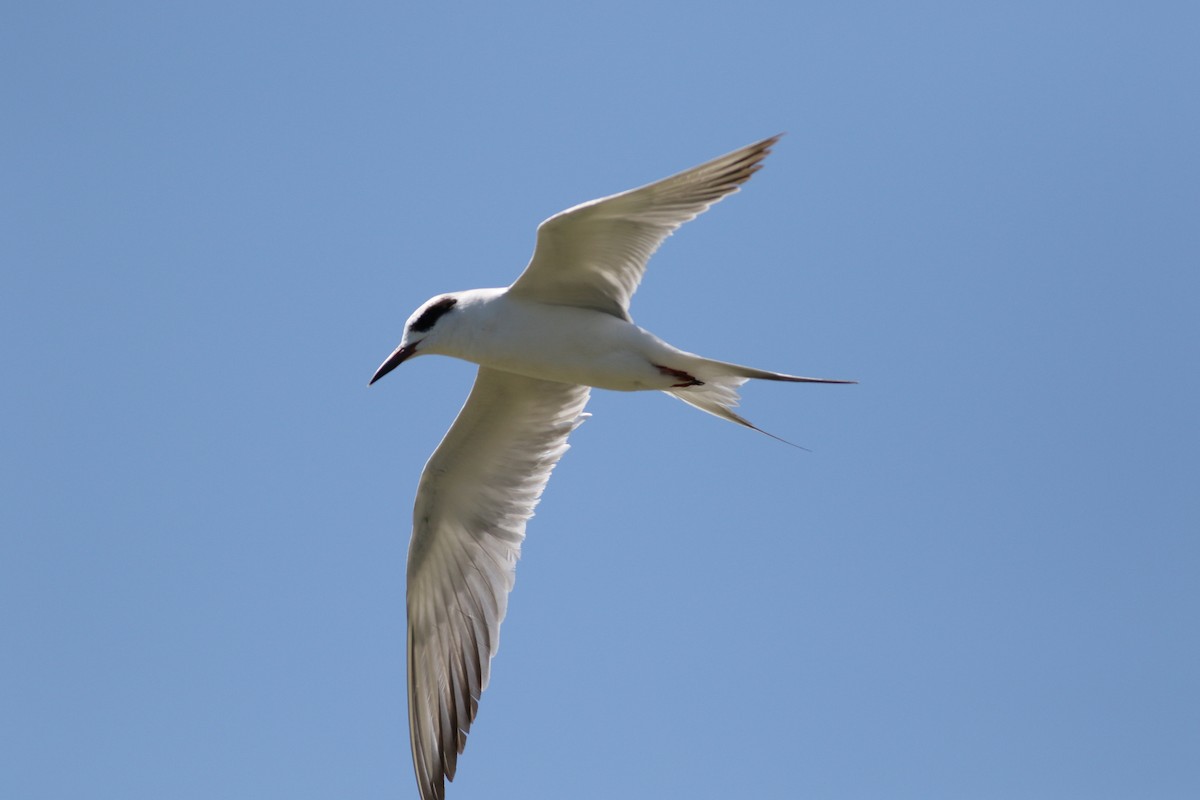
(594, 255)
(475, 495)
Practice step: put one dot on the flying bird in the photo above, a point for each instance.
(541, 344)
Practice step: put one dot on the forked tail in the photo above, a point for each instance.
(717, 391)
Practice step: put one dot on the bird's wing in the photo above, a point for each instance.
(594, 255)
(477, 491)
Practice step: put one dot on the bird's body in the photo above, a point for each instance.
(566, 344)
(562, 328)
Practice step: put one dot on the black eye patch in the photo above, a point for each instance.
(432, 314)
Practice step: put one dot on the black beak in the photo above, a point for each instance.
(398, 357)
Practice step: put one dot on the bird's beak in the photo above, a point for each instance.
(398, 357)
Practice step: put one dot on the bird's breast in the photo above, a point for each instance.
(570, 345)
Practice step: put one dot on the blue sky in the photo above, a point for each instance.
(981, 582)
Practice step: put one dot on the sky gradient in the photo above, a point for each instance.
(980, 583)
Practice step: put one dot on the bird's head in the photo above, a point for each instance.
(422, 327)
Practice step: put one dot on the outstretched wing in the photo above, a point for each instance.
(477, 491)
(594, 255)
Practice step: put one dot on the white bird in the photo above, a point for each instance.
(541, 344)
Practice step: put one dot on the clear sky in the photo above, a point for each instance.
(982, 581)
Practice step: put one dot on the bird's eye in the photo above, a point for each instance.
(432, 314)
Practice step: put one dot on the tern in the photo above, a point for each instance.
(541, 344)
